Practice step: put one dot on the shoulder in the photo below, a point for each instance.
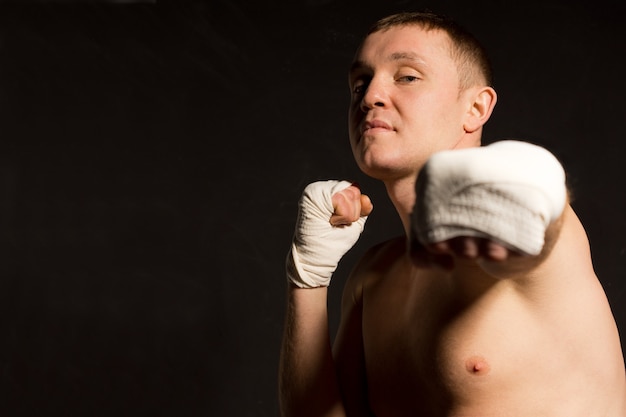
(564, 262)
(571, 252)
(373, 266)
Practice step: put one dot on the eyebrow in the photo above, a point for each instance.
(408, 56)
(396, 56)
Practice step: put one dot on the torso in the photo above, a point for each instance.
(437, 344)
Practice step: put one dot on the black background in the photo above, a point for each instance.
(152, 156)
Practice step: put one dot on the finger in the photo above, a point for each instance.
(354, 193)
(366, 205)
(439, 247)
(497, 252)
(347, 206)
(465, 247)
(462, 246)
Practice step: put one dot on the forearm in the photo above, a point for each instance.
(307, 378)
(331, 217)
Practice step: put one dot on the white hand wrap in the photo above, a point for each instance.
(508, 192)
(318, 246)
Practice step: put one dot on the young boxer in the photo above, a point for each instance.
(489, 304)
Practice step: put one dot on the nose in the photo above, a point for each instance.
(374, 96)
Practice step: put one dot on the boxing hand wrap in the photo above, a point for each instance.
(509, 192)
(317, 245)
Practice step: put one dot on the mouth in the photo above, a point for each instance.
(372, 126)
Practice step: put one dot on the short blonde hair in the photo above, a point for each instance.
(473, 64)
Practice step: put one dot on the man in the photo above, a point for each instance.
(489, 306)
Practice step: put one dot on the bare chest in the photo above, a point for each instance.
(427, 354)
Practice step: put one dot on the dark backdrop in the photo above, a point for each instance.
(151, 158)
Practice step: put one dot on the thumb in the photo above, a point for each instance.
(366, 205)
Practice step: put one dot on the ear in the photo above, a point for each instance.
(484, 100)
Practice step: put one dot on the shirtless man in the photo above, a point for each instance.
(476, 324)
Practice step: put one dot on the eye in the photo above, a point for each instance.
(407, 79)
(359, 86)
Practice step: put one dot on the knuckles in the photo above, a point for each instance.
(349, 205)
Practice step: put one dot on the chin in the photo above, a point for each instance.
(378, 172)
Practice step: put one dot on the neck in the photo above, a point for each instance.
(402, 195)
(401, 190)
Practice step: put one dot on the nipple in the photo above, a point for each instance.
(477, 365)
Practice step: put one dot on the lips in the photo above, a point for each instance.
(375, 124)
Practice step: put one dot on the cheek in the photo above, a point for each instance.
(354, 119)
(440, 116)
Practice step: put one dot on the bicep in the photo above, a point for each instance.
(348, 351)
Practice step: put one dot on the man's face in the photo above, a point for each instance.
(405, 101)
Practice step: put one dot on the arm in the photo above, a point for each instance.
(307, 381)
(348, 349)
(330, 221)
(502, 202)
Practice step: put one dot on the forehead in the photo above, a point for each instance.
(429, 47)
